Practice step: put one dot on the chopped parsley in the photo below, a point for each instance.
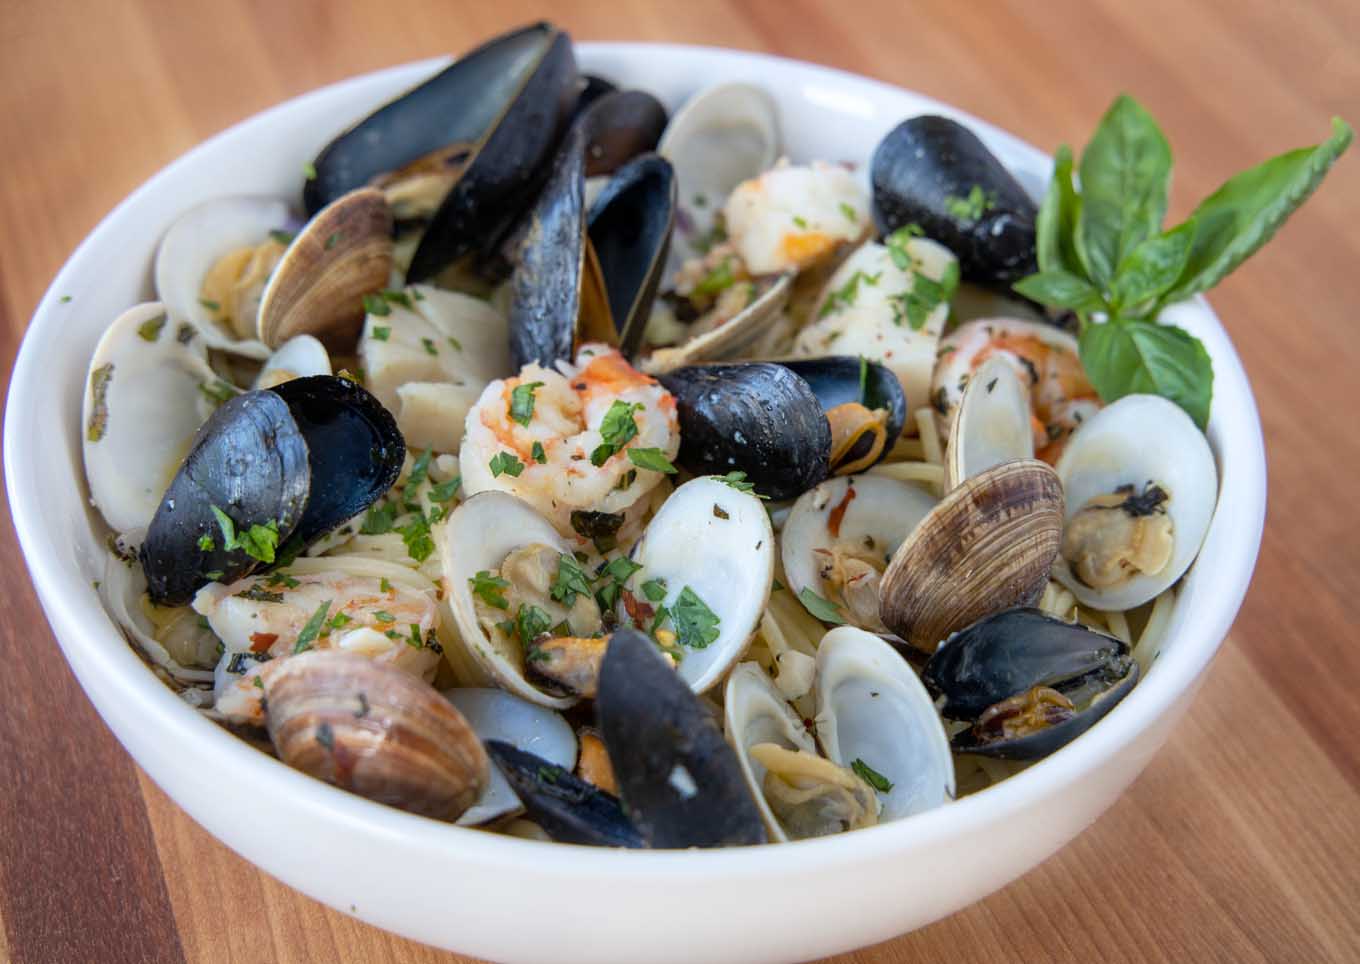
(377, 305)
(217, 391)
(800, 222)
(503, 463)
(419, 469)
(651, 459)
(616, 430)
(654, 590)
(281, 578)
(64, 299)
(430, 349)
(333, 240)
(383, 616)
(972, 207)
(340, 620)
(150, 329)
(380, 519)
(414, 640)
(716, 281)
(614, 574)
(313, 628)
(206, 543)
(897, 245)
(850, 213)
(309, 171)
(571, 581)
(490, 589)
(823, 609)
(397, 298)
(530, 623)
(538, 454)
(445, 491)
(258, 593)
(925, 295)
(845, 296)
(715, 235)
(258, 542)
(871, 776)
(522, 402)
(210, 304)
(863, 378)
(381, 332)
(736, 480)
(284, 238)
(696, 626)
(416, 536)
(384, 584)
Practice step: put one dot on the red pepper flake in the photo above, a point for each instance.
(260, 642)
(640, 612)
(833, 523)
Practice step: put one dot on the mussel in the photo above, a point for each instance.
(270, 470)
(1027, 682)
(934, 172)
(465, 149)
(568, 808)
(864, 402)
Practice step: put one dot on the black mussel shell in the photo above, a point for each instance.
(841, 379)
(925, 171)
(592, 87)
(503, 176)
(754, 417)
(620, 126)
(353, 446)
(249, 459)
(1012, 652)
(678, 776)
(306, 455)
(567, 808)
(630, 228)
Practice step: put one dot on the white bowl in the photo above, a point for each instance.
(517, 900)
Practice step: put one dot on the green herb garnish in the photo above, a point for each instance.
(800, 222)
(383, 616)
(284, 238)
(503, 463)
(380, 519)
(217, 391)
(210, 304)
(313, 628)
(871, 776)
(654, 590)
(150, 329)
(377, 305)
(381, 332)
(538, 454)
(258, 541)
(416, 536)
(445, 491)
(844, 296)
(696, 626)
(617, 429)
(850, 213)
(736, 480)
(571, 581)
(309, 171)
(206, 543)
(925, 295)
(716, 281)
(490, 589)
(972, 207)
(652, 459)
(522, 402)
(430, 348)
(826, 611)
(530, 623)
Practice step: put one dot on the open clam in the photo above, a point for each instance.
(991, 423)
(886, 754)
(375, 731)
(840, 537)
(298, 357)
(1028, 683)
(1141, 486)
(989, 545)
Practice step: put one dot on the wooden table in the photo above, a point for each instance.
(1242, 840)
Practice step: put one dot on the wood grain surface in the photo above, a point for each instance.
(1242, 840)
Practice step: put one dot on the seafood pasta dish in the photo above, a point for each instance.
(562, 465)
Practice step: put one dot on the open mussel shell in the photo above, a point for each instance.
(717, 543)
(1008, 655)
(935, 172)
(839, 380)
(496, 715)
(753, 417)
(630, 227)
(374, 730)
(302, 457)
(567, 808)
(988, 546)
(1142, 442)
(144, 400)
(680, 779)
(621, 125)
(591, 88)
(318, 287)
(991, 424)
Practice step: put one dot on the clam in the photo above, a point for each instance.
(887, 756)
(214, 263)
(989, 545)
(463, 151)
(1141, 486)
(149, 389)
(864, 403)
(722, 136)
(496, 715)
(707, 559)
(298, 357)
(991, 424)
(319, 284)
(375, 731)
(736, 336)
(936, 173)
(840, 537)
(754, 417)
(269, 467)
(1027, 683)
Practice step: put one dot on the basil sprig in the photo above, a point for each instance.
(1104, 254)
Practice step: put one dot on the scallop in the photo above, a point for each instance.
(197, 242)
(149, 389)
(841, 535)
(709, 547)
(991, 424)
(496, 715)
(1141, 486)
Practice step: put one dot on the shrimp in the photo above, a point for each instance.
(560, 441)
(380, 610)
(792, 217)
(1045, 358)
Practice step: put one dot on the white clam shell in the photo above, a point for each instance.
(298, 357)
(883, 510)
(496, 715)
(1135, 440)
(152, 406)
(991, 424)
(872, 707)
(195, 242)
(728, 562)
(754, 711)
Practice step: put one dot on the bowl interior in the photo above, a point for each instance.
(824, 114)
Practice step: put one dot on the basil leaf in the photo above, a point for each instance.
(1249, 208)
(1057, 221)
(1125, 171)
(1150, 269)
(823, 609)
(1128, 356)
(1061, 289)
